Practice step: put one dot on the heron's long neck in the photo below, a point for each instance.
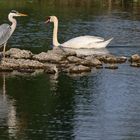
(55, 32)
(14, 23)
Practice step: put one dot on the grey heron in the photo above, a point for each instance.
(6, 30)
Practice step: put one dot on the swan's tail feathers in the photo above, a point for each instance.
(100, 44)
(105, 43)
(109, 40)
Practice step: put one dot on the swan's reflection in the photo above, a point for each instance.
(54, 80)
(89, 51)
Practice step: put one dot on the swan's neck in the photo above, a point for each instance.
(14, 22)
(55, 32)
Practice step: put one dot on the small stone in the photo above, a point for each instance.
(79, 69)
(74, 59)
(49, 57)
(26, 70)
(121, 59)
(51, 68)
(134, 64)
(5, 69)
(18, 54)
(135, 58)
(21, 64)
(111, 66)
(99, 67)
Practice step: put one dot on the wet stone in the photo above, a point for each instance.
(18, 53)
(22, 63)
(135, 58)
(51, 68)
(112, 59)
(26, 70)
(134, 64)
(111, 66)
(5, 69)
(92, 61)
(78, 69)
(121, 59)
(74, 59)
(49, 57)
(99, 67)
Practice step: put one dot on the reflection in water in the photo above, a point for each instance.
(9, 111)
(89, 51)
(54, 81)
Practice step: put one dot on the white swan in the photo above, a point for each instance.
(78, 42)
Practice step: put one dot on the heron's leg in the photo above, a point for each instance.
(4, 49)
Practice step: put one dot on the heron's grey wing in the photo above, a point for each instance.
(5, 33)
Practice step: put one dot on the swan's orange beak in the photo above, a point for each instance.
(48, 20)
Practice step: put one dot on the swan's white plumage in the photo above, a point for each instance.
(78, 42)
(82, 41)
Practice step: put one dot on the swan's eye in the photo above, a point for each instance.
(48, 18)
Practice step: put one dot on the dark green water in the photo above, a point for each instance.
(101, 105)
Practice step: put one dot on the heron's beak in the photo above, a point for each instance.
(20, 14)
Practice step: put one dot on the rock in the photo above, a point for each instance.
(99, 67)
(22, 70)
(5, 69)
(134, 64)
(50, 56)
(51, 68)
(112, 59)
(135, 58)
(78, 69)
(92, 61)
(111, 66)
(74, 59)
(21, 63)
(121, 59)
(18, 54)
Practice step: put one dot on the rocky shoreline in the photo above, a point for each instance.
(58, 60)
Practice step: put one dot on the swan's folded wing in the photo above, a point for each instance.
(100, 44)
(94, 38)
(81, 41)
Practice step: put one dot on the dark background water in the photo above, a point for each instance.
(103, 104)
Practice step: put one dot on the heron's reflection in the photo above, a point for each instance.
(8, 110)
